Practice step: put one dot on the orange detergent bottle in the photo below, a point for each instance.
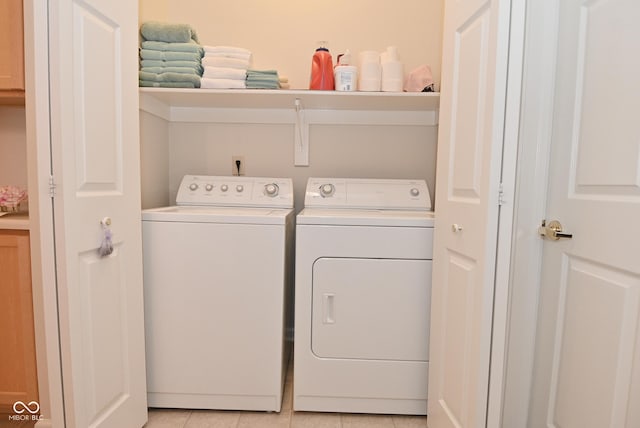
(322, 70)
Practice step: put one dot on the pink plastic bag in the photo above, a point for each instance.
(419, 80)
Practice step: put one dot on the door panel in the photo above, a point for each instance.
(95, 152)
(374, 309)
(606, 136)
(472, 109)
(459, 324)
(601, 303)
(588, 360)
(99, 131)
(469, 96)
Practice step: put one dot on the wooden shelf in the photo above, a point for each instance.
(285, 99)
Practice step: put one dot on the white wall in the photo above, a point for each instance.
(154, 161)
(13, 146)
(283, 34)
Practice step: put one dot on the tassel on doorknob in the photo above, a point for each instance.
(106, 246)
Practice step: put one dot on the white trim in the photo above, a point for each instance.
(530, 205)
(505, 226)
(43, 270)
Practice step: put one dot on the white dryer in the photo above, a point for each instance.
(218, 272)
(362, 296)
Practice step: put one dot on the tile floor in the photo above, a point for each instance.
(287, 418)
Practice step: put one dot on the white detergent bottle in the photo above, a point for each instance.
(392, 71)
(345, 74)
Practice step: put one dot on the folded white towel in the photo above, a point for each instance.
(226, 62)
(224, 73)
(226, 49)
(228, 52)
(222, 84)
(245, 57)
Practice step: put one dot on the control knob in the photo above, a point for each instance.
(208, 187)
(271, 189)
(239, 188)
(415, 192)
(327, 190)
(224, 187)
(193, 187)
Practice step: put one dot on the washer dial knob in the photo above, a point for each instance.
(224, 187)
(239, 188)
(271, 190)
(327, 190)
(208, 187)
(193, 187)
(415, 192)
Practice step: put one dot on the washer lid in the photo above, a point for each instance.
(223, 215)
(385, 194)
(350, 217)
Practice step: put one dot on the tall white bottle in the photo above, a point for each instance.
(370, 71)
(392, 70)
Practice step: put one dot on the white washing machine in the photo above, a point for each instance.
(218, 273)
(362, 296)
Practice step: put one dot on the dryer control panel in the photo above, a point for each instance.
(235, 191)
(378, 194)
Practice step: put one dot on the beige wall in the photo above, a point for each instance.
(283, 34)
(335, 151)
(13, 146)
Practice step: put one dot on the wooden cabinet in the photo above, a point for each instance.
(11, 52)
(18, 379)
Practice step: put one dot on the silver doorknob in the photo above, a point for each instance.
(553, 231)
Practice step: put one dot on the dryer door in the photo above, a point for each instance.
(374, 309)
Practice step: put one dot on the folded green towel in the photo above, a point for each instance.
(173, 47)
(158, 70)
(251, 72)
(169, 56)
(262, 85)
(149, 84)
(196, 65)
(169, 77)
(165, 32)
(262, 77)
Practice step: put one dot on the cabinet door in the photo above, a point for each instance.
(11, 45)
(18, 380)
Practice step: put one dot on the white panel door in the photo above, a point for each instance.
(587, 369)
(475, 43)
(95, 152)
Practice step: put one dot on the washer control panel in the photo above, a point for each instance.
(379, 194)
(235, 191)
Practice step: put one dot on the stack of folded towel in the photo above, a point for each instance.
(170, 56)
(284, 82)
(225, 67)
(263, 79)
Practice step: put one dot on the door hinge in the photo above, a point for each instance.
(501, 200)
(52, 187)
